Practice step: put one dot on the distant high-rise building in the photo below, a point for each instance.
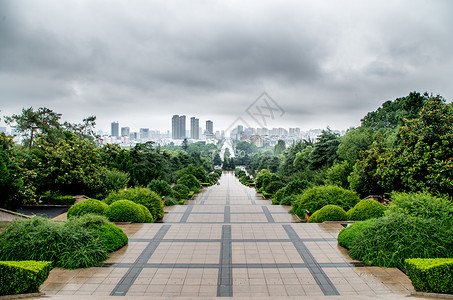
(144, 133)
(115, 129)
(209, 127)
(178, 127)
(125, 131)
(194, 128)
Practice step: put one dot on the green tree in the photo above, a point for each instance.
(30, 122)
(217, 160)
(280, 147)
(10, 181)
(354, 141)
(325, 149)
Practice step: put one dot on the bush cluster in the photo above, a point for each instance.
(366, 209)
(143, 196)
(347, 236)
(328, 213)
(288, 200)
(160, 187)
(181, 192)
(68, 245)
(191, 182)
(128, 211)
(317, 197)
(22, 277)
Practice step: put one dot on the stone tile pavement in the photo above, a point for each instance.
(229, 242)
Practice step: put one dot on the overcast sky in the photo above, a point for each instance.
(325, 63)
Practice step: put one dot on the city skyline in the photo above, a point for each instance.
(325, 63)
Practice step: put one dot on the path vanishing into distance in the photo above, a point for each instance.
(229, 242)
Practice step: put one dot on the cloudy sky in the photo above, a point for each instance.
(325, 63)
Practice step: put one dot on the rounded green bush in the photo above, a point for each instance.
(143, 196)
(181, 191)
(288, 200)
(87, 206)
(296, 187)
(328, 213)
(124, 211)
(112, 237)
(161, 187)
(317, 197)
(273, 186)
(366, 209)
(279, 195)
(147, 216)
(347, 235)
(391, 239)
(191, 182)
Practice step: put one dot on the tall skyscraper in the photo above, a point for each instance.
(194, 128)
(115, 129)
(209, 127)
(125, 131)
(178, 127)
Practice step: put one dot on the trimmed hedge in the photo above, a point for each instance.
(87, 206)
(124, 211)
(22, 277)
(347, 236)
(147, 216)
(138, 195)
(317, 197)
(366, 209)
(328, 213)
(431, 275)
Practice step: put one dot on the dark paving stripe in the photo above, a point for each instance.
(206, 195)
(314, 267)
(227, 215)
(186, 214)
(232, 240)
(250, 198)
(128, 279)
(269, 217)
(225, 278)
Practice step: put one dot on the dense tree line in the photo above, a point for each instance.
(63, 159)
(405, 145)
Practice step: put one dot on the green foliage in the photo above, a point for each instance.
(273, 186)
(264, 177)
(181, 191)
(111, 236)
(353, 142)
(147, 216)
(325, 149)
(124, 211)
(22, 277)
(296, 187)
(366, 209)
(143, 196)
(113, 179)
(87, 206)
(65, 244)
(392, 239)
(288, 200)
(421, 205)
(317, 197)
(348, 235)
(431, 275)
(328, 213)
(198, 172)
(280, 147)
(10, 182)
(279, 195)
(191, 182)
(161, 187)
(55, 198)
(338, 174)
(170, 201)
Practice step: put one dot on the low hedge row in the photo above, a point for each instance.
(21, 277)
(431, 275)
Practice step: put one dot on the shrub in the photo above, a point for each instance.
(347, 235)
(113, 180)
(87, 206)
(112, 237)
(181, 191)
(317, 197)
(431, 275)
(421, 205)
(278, 195)
(288, 200)
(273, 186)
(143, 196)
(328, 213)
(67, 246)
(191, 182)
(366, 209)
(392, 239)
(264, 177)
(55, 198)
(161, 187)
(147, 216)
(296, 187)
(124, 211)
(170, 201)
(21, 277)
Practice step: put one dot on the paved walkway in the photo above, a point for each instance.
(229, 242)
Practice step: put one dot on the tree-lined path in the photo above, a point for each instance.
(229, 242)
